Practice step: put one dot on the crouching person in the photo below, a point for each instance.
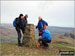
(45, 39)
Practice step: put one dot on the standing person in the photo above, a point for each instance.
(40, 25)
(19, 24)
(25, 19)
(24, 22)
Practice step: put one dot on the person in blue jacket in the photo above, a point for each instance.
(40, 25)
(46, 38)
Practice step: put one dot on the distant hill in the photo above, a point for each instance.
(8, 31)
(70, 34)
(67, 38)
(53, 29)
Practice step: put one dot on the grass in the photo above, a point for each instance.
(11, 49)
(63, 47)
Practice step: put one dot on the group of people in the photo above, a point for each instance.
(44, 35)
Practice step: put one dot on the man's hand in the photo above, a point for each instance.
(36, 27)
(47, 24)
(39, 37)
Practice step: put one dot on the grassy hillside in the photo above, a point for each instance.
(11, 49)
(63, 39)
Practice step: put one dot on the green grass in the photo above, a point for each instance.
(8, 39)
(63, 47)
(11, 48)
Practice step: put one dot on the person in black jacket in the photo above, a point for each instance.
(21, 22)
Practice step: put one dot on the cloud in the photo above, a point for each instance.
(56, 13)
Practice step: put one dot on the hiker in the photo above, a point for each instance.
(45, 39)
(41, 25)
(20, 24)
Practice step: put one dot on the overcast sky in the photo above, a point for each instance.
(56, 13)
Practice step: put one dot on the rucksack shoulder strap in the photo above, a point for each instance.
(42, 24)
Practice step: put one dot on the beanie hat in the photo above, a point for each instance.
(21, 14)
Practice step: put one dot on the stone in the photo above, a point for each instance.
(29, 36)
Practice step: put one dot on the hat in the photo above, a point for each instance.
(21, 14)
(26, 15)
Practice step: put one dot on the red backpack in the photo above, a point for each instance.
(44, 26)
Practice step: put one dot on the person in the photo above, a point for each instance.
(20, 24)
(40, 25)
(45, 39)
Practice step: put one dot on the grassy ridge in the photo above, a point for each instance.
(11, 48)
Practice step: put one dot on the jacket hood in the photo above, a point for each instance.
(46, 31)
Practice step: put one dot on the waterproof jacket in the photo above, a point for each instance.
(41, 24)
(21, 22)
(46, 35)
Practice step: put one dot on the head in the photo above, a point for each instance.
(21, 16)
(39, 18)
(26, 16)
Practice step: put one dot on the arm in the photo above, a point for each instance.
(26, 21)
(36, 26)
(45, 22)
(18, 21)
(43, 36)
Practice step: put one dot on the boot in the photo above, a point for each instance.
(19, 44)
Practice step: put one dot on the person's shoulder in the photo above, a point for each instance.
(25, 18)
(17, 17)
(42, 20)
(47, 31)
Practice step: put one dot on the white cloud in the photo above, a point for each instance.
(56, 13)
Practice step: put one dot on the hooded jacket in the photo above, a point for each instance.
(21, 22)
(46, 34)
(41, 24)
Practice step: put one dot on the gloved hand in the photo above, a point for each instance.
(36, 27)
(47, 24)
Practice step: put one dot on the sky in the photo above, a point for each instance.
(56, 13)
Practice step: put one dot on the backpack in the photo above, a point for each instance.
(43, 25)
(14, 22)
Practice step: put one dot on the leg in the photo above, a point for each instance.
(45, 42)
(23, 30)
(40, 33)
(19, 35)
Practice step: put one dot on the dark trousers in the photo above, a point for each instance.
(19, 33)
(40, 34)
(45, 42)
